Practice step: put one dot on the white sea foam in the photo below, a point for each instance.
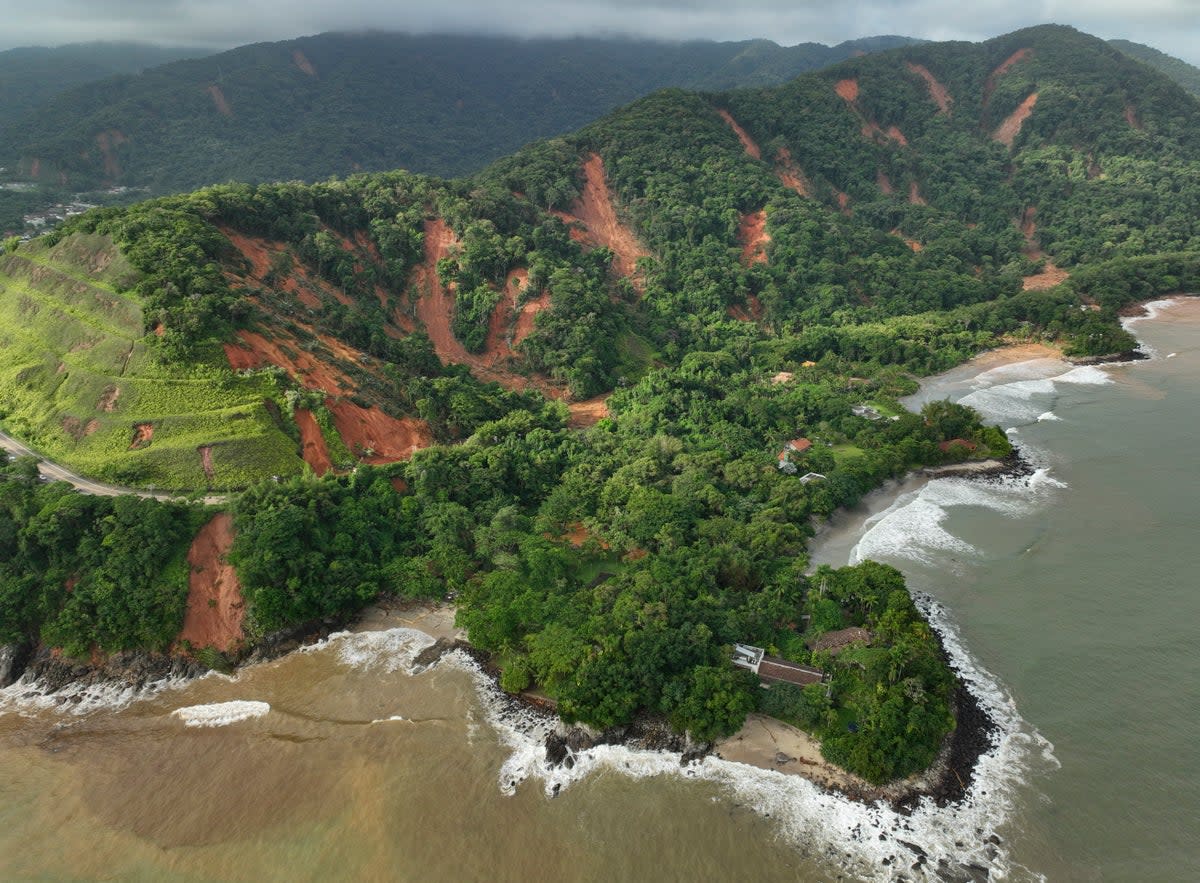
(1021, 391)
(221, 714)
(1153, 309)
(28, 696)
(1048, 416)
(388, 720)
(1172, 355)
(390, 650)
(862, 840)
(912, 528)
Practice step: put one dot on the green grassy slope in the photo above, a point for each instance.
(79, 376)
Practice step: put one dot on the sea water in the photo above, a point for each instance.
(1068, 600)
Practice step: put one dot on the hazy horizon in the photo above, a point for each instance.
(1172, 26)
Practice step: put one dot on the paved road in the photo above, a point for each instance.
(55, 472)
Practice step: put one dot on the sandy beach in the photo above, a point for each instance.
(434, 619)
(771, 744)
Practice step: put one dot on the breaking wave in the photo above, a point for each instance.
(221, 714)
(29, 696)
(386, 651)
(912, 527)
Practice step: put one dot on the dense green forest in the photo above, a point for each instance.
(751, 279)
(1186, 75)
(338, 103)
(32, 75)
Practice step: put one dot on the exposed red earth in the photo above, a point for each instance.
(312, 443)
(108, 141)
(588, 412)
(752, 234)
(301, 61)
(594, 209)
(219, 102)
(206, 461)
(937, 91)
(142, 433)
(1050, 275)
(751, 312)
(214, 605)
(1131, 117)
(377, 437)
(789, 173)
(884, 183)
(752, 149)
(1011, 127)
(914, 194)
(256, 351)
(847, 90)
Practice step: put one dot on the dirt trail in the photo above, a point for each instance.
(1003, 68)
(588, 413)
(752, 149)
(214, 605)
(1011, 127)
(219, 102)
(312, 443)
(937, 91)
(377, 437)
(753, 235)
(790, 174)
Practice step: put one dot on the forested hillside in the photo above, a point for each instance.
(1186, 75)
(32, 75)
(601, 391)
(340, 103)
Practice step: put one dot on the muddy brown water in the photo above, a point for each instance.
(1069, 602)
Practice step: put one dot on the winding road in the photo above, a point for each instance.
(54, 472)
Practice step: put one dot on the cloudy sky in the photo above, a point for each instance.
(1170, 25)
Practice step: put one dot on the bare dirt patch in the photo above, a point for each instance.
(752, 149)
(108, 399)
(256, 351)
(263, 254)
(376, 437)
(214, 606)
(500, 336)
(1048, 277)
(843, 201)
(937, 91)
(73, 427)
(847, 89)
(301, 61)
(594, 209)
(751, 312)
(587, 413)
(1011, 127)
(218, 99)
(142, 434)
(790, 174)
(914, 194)
(884, 183)
(753, 235)
(1131, 117)
(108, 141)
(525, 319)
(312, 443)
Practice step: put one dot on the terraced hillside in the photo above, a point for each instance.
(80, 380)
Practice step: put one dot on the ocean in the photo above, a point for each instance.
(1068, 600)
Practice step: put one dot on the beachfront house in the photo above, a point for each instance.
(772, 669)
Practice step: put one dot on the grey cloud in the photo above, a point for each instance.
(1171, 25)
